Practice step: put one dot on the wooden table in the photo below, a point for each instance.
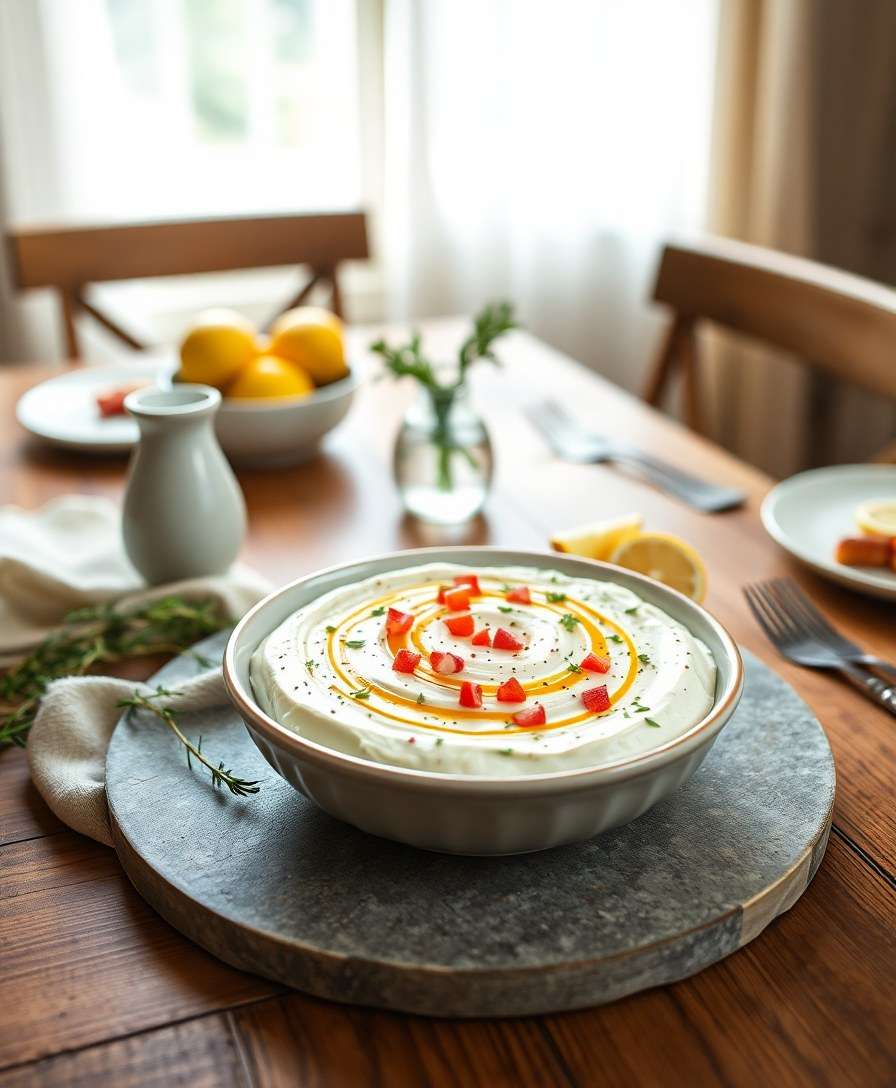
(95, 988)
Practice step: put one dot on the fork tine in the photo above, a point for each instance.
(783, 619)
(799, 600)
(763, 616)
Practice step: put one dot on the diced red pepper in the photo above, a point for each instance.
(482, 638)
(468, 580)
(441, 594)
(596, 699)
(511, 691)
(530, 716)
(520, 595)
(504, 640)
(405, 661)
(457, 599)
(446, 664)
(593, 663)
(470, 694)
(460, 625)
(397, 623)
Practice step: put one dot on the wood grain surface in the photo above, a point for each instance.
(97, 989)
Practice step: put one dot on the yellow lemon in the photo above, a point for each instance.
(666, 558)
(877, 517)
(217, 346)
(599, 539)
(270, 376)
(311, 337)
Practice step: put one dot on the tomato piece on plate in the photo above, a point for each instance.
(405, 661)
(470, 694)
(446, 664)
(530, 716)
(397, 623)
(593, 663)
(511, 691)
(596, 699)
(457, 599)
(468, 580)
(520, 595)
(460, 625)
(504, 640)
(482, 638)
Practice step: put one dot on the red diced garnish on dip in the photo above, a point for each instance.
(405, 661)
(593, 663)
(470, 694)
(596, 699)
(441, 594)
(520, 594)
(397, 623)
(530, 716)
(511, 691)
(460, 625)
(111, 401)
(482, 638)
(504, 640)
(468, 580)
(457, 599)
(446, 664)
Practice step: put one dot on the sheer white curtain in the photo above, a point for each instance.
(540, 151)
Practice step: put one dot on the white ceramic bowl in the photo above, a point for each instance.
(467, 814)
(287, 431)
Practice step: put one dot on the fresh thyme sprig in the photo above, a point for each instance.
(221, 775)
(96, 636)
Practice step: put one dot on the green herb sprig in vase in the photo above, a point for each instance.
(443, 457)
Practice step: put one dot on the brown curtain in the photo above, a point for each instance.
(804, 160)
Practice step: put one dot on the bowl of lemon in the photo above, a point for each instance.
(281, 392)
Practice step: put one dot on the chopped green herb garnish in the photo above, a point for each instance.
(573, 667)
(556, 598)
(569, 621)
(361, 693)
(652, 723)
(439, 741)
(644, 659)
(613, 638)
(379, 611)
(505, 751)
(310, 663)
(355, 643)
(631, 611)
(330, 628)
(504, 608)
(421, 698)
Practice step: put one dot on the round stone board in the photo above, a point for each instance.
(273, 885)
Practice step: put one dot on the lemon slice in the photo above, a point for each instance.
(599, 539)
(877, 517)
(666, 558)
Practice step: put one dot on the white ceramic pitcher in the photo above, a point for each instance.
(184, 514)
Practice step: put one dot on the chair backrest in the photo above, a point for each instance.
(832, 319)
(71, 257)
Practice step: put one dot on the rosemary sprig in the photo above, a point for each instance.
(91, 637)
(221, 775)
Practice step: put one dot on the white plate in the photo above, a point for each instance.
(809, 513)
(63, 410)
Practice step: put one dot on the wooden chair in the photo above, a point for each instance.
(70, 258)
(831, 319)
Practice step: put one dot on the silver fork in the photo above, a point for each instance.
(574, 443)
(798, 642)
(802, 607)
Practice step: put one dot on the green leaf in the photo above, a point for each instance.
(356, 643)
(652, 723)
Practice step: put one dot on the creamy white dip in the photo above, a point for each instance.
(327, 673)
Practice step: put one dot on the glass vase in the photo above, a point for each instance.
(443, 457)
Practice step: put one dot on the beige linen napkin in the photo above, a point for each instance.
(68, 555)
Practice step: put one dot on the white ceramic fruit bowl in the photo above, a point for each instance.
(287, 431)
(468, 814)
